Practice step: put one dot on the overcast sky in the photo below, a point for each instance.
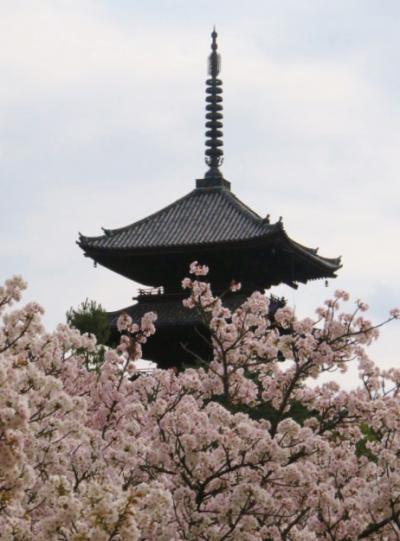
(101, 123)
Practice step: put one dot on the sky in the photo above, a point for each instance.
(102, 123)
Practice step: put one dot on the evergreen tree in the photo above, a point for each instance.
(90, 317)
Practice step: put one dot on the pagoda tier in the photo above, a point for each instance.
(213, 226)
(181, 338)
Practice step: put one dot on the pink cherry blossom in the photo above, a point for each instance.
(235, 286)
(242, 448)
(197, 269)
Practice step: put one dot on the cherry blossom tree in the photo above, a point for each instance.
(246, 448)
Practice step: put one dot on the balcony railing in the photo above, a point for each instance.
(150, 291)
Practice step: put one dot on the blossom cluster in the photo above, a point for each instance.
(241, 449)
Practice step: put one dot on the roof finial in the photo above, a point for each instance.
(214, 152)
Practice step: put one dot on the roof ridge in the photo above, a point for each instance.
(250, 212)
(242, 206)
(112, 232)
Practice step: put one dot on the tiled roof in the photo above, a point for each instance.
(171, 312)
(204, 216)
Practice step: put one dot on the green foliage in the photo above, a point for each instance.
(369, 436)
(90, 317)
(297, 411)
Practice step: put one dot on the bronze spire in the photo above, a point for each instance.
(214, 153)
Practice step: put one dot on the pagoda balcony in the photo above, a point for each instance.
(146, 292)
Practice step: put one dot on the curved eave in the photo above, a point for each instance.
(326, 266)
(310, 254)
(86, 244)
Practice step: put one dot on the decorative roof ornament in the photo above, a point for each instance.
(214, 154)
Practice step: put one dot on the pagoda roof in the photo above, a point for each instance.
(204, 217)
(170, 309)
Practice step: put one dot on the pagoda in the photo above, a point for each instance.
(212, 226)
